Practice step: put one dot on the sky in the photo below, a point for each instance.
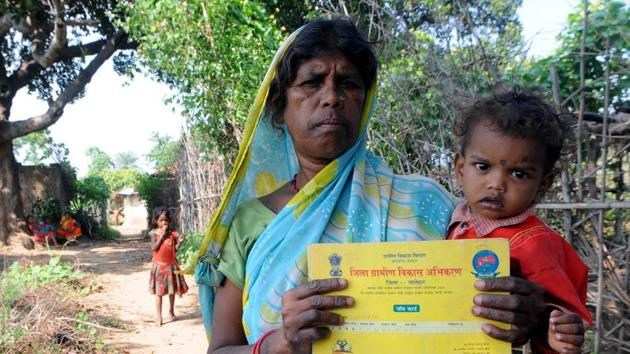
(118, 114)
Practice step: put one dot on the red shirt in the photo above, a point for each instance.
(537, 253)
(166, 253)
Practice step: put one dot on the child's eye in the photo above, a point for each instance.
(519, 174)
(482, 166)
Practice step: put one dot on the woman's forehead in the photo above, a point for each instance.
(324, 63)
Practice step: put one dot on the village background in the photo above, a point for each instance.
(161, 119)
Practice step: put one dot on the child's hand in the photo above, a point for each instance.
(566, 332)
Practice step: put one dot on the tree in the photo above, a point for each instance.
(608, 23)
(99, 160)
(119, 179)
(126, 160)
(164, 151)
(433, 56)
(39, 147)
(43, 48)
(214, 53)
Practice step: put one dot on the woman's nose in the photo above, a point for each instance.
(331, 96)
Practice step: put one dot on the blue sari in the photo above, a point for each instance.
(356, 198)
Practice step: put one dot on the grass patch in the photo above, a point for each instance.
(105, 233)
(39, 311)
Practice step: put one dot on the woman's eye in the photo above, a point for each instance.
(482, 166)
(519, 174)
(349, 84)
(310, 83)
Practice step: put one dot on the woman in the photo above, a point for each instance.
(68, 227)
(303, 175)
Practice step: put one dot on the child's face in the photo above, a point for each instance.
(500, 175)
(162, 220)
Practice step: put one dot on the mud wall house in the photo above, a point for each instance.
(39, 182)
(135, 210)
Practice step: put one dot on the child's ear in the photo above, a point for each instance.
(459, 168)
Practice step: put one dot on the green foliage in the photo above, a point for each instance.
(149, 187)
(121, 178)
(164, 151)
(126, 160)
(17, 48)
(46, 209)
(92, 191)
(89, 203)
(607, 23)
(189, 248)
(38, 147)
(99, 160)
(26, 296)
(107, 232)
(214, 53)
(19, 279)
(433, 55)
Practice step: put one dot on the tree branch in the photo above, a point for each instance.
(31, 67)
(59, 39)
(5, 25)
(17, 129)
(78, 22)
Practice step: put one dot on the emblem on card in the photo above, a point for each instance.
(485, 263)
(342, 346)
(335, 261)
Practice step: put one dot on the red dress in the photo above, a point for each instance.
(165, 274)
(540, 255)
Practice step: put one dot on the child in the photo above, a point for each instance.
(42, 233)
(509, 145)
(165, 276)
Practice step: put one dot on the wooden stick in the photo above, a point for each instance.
(578, 132)
(586, 205)
(91, 324)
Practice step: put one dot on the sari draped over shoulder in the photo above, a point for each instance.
(68, 228)
(356, 198)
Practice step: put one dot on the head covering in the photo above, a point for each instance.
(356, 198)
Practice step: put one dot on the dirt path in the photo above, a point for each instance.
(122, 270)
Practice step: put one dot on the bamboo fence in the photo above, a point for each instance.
(200, 185)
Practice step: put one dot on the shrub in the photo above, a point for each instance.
(189, 248)
(46, 209)
(19, 280)
(39, 312)
(89, 204)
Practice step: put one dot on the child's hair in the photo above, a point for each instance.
(519, 113)
(161, 211)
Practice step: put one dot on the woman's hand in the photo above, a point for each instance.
(522, 308)
(305, 313)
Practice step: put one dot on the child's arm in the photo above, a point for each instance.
(157, 236)
(180, 241)
(566, 332)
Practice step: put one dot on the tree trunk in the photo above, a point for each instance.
(10, 200)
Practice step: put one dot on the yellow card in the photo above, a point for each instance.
(410, 297)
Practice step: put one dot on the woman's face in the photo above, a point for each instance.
(324, 106)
